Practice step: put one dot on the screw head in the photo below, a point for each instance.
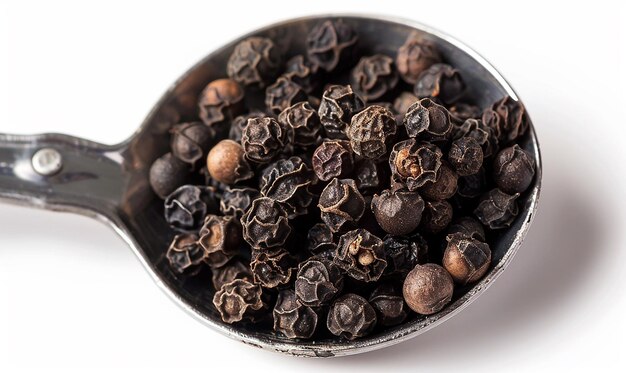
(47, 161)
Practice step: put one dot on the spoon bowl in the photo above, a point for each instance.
(110, 183)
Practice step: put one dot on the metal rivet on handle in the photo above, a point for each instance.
(47, 161)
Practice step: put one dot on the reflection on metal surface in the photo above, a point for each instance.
(47, 161)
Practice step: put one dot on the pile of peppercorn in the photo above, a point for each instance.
(365, 190)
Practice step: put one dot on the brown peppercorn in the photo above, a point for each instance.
(351, 317)
(239, 123)
(371, 131)
(415, 56)
(401, 105)
(184, 253)
(466, 259)
(513, 169)
(304, 123)
(330, 43)
(220, 102)
(333, 158)
(191, 141)
(414, 163)
(341, 204)
(428, 121)
(167, 173)
(497, 209)
(437, 216)
(220, 236)
(234, 269)
(398, 211)
(428, 288)
(361, 255)
(339, 103)
(226, 163)
(466, 156)
(292, 318)
(467, 227)
(374, 76)
(440, 81)
(264, 138)
(238, 299)
(388, 304)
(318, 281)
(444, 185)
(283, 94)
(272, 268)
(265, 224)
(254, 62)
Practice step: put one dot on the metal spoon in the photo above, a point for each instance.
(110, 183)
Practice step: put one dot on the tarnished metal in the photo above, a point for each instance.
(110, 183)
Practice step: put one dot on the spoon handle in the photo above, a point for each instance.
(60, 172)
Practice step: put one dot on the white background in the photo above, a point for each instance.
(74, 299)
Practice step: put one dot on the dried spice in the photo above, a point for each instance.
(272, 268)
(287, 181)
(427, 120)
(466, 259)
(337, 106)
(350, 317)
(369, 176)
(361, 255)
(330, 43)
(265, 224)
(186, 207)
(415, 56)
(467, 227)
(333, 159)
(404, 253)
(428, 288)
(444, 185)
(472, 186)
(226, 163)
(320, 239)
(437, 215)
(264, 138)
(184, 253)
(220, 102)
(398, 211)
(254, 62)
(513, 169)
(440, 81)
(303, 72)
(238, 299)
(512, 123)
(220, 236)
(389, 305)
(283, 94)
(235, 201)
(233, 270)
(479, 131)
(167, 174)
(304, 123)
(497, 209)
(292, 318)
(401, 105)
(341, 204)
(466, 156)
(460, 112)
(415, 163)
(239, 123)
(318, 281)
(371, 130)
(374, 76)
(191, 141)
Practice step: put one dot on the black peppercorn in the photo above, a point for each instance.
(428, 288)
(415, 163)
(440, 81)
(287, 181)
(369, 176)
(238, 299)
(341, 204)
(371, 130)
(339, 103)
(220, 102)
(511, 123)
(304, 123)
(264, 138)
(351, 317)
(466, 259)
(254, 62)
(497, 209)
(398, 211)
(333, 158)
(320, 239)
(167, 174)
(302, 72)
(466, 156)
(272, 268)
(235, 201)
(292, 318)
(226, 163)
(186, 207)
(220, 236)
(374, 76)
(318, 281)
(437, 215)
(329, 43)
(265, 224)
(239, 123)
(427, 120)
(479, 131)
(444, 185)
(415, 56)
(460, 112)
(401, 105)
(472, 186)
(233, 270)
(283, 94)
(467, 227)
(191, 141)
(513, 169)
(184, 253)
(361, 255)
(404, 253)
(388, 304)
